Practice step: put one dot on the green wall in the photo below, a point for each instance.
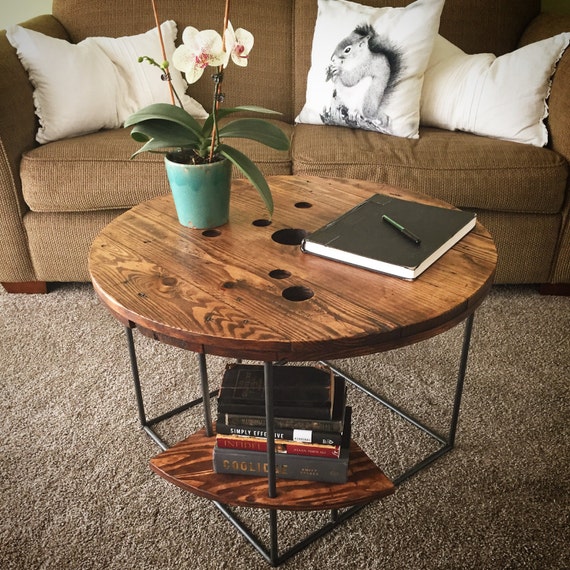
(16, 12)
(562, 6)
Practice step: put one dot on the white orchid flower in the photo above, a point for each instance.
(199, 50)
(238, 45)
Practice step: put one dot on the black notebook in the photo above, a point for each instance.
(391, 235)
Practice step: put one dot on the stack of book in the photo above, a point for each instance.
(311, 420)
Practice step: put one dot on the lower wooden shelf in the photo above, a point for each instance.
(188, 464)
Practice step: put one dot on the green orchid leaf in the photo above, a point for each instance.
(158, 146)
(165, 112)
(160, 135)
(207, 126)
(258, 130)
(153, 145)
(139, 137)
(156, 128)
(225, 111)
(252, 173)
(220, 114)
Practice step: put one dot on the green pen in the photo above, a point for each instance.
(402, 229)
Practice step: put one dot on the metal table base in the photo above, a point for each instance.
(271, 552)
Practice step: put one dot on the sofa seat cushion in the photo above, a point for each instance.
(463, 169)
(95, 172)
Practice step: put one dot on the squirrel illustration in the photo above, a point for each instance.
(362, 55)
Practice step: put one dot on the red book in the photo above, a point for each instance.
(281, 446)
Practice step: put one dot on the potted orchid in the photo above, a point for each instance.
(197, 153)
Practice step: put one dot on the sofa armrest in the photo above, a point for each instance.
(17, 135)
(544, 26)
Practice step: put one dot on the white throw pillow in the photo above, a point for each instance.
(502, 97)
(95, 84)
(368, 64)
(75, 86)
(144, 82)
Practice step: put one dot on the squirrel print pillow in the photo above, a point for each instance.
(368, 64)
(363, 71)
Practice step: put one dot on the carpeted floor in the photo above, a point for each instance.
(76, 491)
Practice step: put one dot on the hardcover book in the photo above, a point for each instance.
(391, 235)
(281, 446)
(289, 434)
(240, 462)
(298, 391)
(288, 466)
(258, 420)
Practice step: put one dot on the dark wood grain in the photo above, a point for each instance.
(188, 465)
(215, 294)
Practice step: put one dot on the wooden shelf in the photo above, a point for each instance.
(188, 464)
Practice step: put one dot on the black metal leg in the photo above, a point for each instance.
(136, 377)
(271, 554)
(270, 427)
(460, 379)
(205, 395)
(274, 533)
(146, 423)
(446, 442)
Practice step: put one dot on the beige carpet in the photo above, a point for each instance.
(76, 491)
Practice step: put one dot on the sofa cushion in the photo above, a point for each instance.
(463, 169)
(367, 65)
(503, 97)
(95, 172)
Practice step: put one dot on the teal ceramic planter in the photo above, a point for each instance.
(201, 192)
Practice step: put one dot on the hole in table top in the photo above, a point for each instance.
(211, 233)
(297, 293)
(261, 223)
(289, 236)
(280, 274)
(303, 205)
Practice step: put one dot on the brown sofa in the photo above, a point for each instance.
(54, 198)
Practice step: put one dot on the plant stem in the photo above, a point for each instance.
(218, 86)
(167, 71)
(226, 20)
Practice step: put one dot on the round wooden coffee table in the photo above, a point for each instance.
(237, 292)
(245, 290)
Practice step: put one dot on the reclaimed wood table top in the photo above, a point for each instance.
(246, 290)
